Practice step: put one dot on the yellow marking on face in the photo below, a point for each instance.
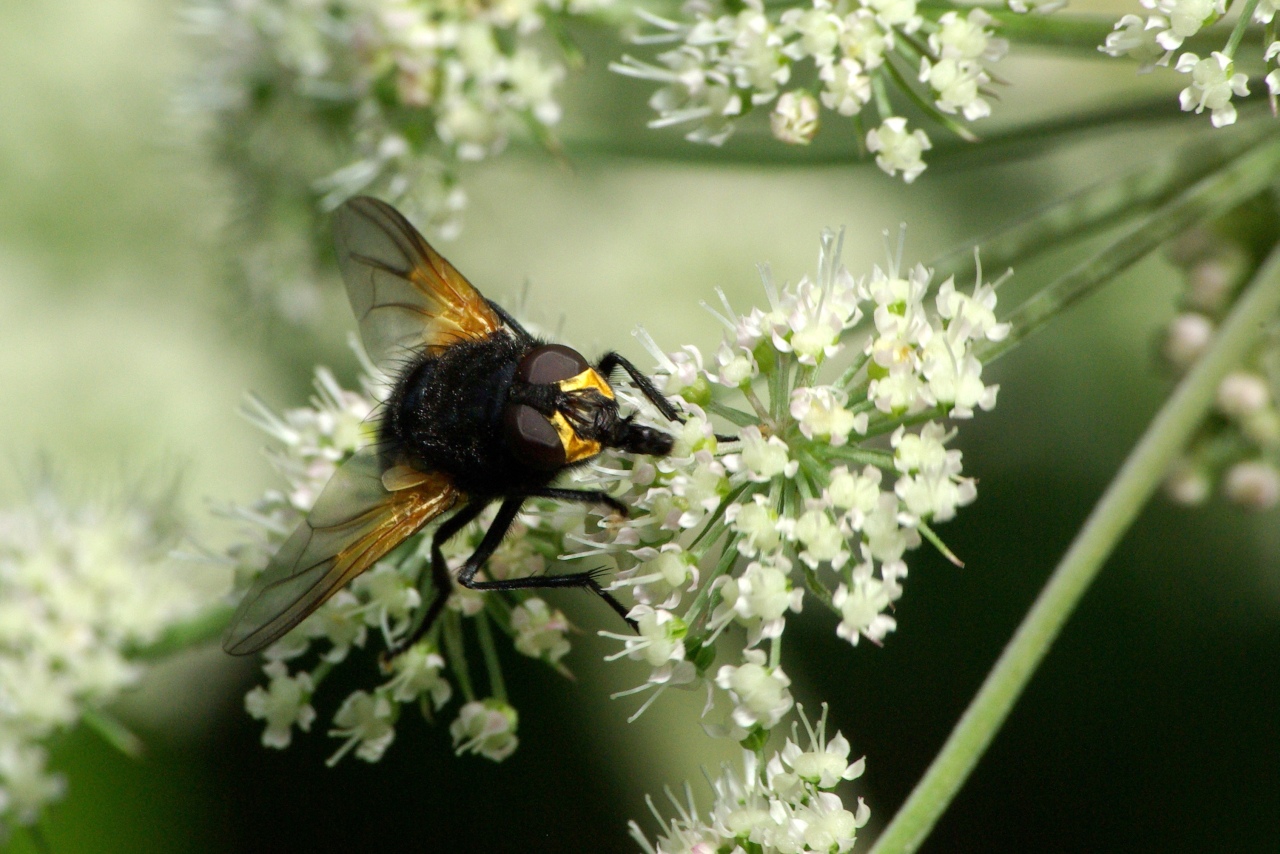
(575, 447)
(585, 380)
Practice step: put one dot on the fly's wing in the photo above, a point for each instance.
(356, 520)
(404, 295)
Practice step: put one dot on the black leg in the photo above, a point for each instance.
(501, 524)
(581, 496)
(439, 575)
(509, 320)
(612, 361)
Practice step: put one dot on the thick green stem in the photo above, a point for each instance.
(1133, 485)
(1101, 206)
(1207, 199)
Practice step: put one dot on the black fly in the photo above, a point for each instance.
(481, 411)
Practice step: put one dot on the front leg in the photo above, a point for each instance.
(612, 361)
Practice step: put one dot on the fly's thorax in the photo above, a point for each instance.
(445, 411)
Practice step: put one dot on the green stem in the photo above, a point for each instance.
(1103, 205)
(1114, 513)
(113, 732)
(1242, 25)
(497, 688)
(1207, 199)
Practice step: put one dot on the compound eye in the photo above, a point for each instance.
(532, 438)
(551, 363)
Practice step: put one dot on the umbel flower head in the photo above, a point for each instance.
(1213, 82)
(723, 59)
(338, 98)
(813, 454)
(783, 804)
(81, 584)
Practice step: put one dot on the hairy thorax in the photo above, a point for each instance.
(445, 414)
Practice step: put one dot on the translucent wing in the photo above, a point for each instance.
(404, 295)
(359, 517)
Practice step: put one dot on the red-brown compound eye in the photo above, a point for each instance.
(551, 363)
(532, 438)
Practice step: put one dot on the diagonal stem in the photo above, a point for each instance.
(1206, 200)
(1111, 517)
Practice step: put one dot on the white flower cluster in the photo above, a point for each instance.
(1213, 80)
(831, 482)
(1237, 450)
(719, 532)
(730, 58)
(417, 86)
(783, 806)
(310, 442)
(80, 587)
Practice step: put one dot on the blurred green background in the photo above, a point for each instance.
(1154, 724)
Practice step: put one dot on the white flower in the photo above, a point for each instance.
(760, 692)
(339, 621)
(1241, 393)
(954, 377)
(821, 413)
(1213, 82)
(1265, 11)
(828, 826)
(846, 88)
(925, 450)
(1188, 484)
(1186, 338)
(759, 599)
(857, 493)
(659, 637)
(81, 586)
(934, 495)
(795, 118)
(757, 522)
(819, 31)
(1135, 37)
(967, 38)
(735, 366)
(284, 703)
(956, 84)
(897, 13)
(823, 766)
(418, 671)
(863, 40)
(761, 459)
(896, 149)
(862, 610)
(485, 727)
(973, 316)
(389, 596)
(25, 784)
(539, 631)
(885, 539)
(820, 537)
(367, 722)
(1185, 17)
(1254, 484)
(662, 576)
